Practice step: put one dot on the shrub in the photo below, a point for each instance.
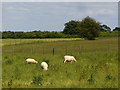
(10, 83)
(91, 79)
(109, 77)
(37, 80)
(9, 62)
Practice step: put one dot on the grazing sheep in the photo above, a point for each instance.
(32, 61)
(44, 66)
(69, 59)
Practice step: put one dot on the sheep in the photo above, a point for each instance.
(69, 59)
(44, 66)
(32, 61)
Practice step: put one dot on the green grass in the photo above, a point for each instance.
(96, 66)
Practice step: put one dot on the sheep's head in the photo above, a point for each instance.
(36, 62)
(45, 68)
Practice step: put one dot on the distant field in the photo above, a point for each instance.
(96, 66)
(23, 41)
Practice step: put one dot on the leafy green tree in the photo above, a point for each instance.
(36, 34)
(116, 29)
(105, 28)
(8, 34)
(71, 27)
(89, 28)
(0, 35)
(18, 34)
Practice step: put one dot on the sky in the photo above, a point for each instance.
(51, 16)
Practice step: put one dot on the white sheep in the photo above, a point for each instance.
(69, 59)
(32, 61)
(44, 66)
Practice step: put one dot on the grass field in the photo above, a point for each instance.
(96, 66)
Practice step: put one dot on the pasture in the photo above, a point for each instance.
(96, 66)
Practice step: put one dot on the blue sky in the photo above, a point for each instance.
(51, 16)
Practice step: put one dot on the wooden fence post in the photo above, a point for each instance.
(32, 47)
(82, 49)
(53, 51)
(43, 50)
(66, 50)
(13, 51)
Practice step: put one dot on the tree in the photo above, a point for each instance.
(116, 29)
(71, 27)
(8, 34)
(89, 28)
(105, 28)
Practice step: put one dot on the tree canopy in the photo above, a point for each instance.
(87, 28)
(35, 34)
(105, 28)
(71, 27)
(116, 29)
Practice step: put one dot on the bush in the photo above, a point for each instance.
(9, 62)
(109, 34)
(109, 77)
(37, 80)
(10, 83)
(91, 79)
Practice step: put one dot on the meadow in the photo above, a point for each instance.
(96, 66)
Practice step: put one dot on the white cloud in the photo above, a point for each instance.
(18, 8)
(99, 12)
(52, 16)
(0, 16)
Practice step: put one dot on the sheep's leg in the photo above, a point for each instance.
(72, 61)
(64, 61)
(75, 60)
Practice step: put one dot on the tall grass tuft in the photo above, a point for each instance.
(9, 62)
(37, 80)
